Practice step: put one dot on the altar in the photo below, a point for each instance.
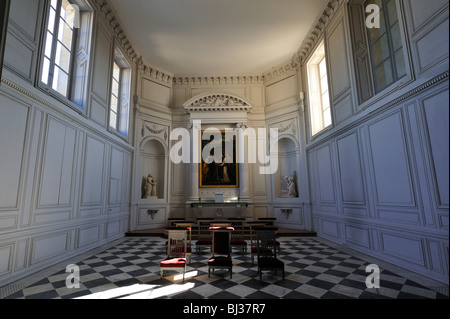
(225, 209)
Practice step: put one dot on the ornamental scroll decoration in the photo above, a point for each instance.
(154, 130)
(289, 129)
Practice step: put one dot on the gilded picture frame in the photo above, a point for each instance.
(218, 167)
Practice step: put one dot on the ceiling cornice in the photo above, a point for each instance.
(308, 44)
(119, 34)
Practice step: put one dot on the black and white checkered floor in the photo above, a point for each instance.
(314, 270)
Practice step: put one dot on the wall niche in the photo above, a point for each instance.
(285, 179)
(153, 170)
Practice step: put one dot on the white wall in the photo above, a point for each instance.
(64, 179)
(379, 178)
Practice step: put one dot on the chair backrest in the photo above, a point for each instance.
(221, 242)
(177, 243)
(265, 242)
(203, 228)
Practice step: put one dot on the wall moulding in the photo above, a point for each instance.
(217, 80)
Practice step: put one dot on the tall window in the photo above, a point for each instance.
(115, 96)
(319, 98)
(324, 95)
(377, 50)
(59, 44)
(386, 47)
(119, 109)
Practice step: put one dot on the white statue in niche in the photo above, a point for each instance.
(150, 187)
(288, 188)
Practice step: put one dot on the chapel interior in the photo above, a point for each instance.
(328, 118)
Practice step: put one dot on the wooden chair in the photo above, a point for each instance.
(238, 239)
(267, 252)
(204, 236)
(221, 250)
(270, 222)
(253, 226)
(187, 226)
(176, 252)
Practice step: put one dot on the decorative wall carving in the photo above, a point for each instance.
(217, 102)
(155, 130)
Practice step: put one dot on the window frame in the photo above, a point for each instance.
(392, 51)
(79, 79)
(125, 85)
(315, 92)
(49, 85)
(366, 94)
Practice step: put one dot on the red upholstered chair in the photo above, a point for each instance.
(266, 251)
(221, 250)
(176, 252)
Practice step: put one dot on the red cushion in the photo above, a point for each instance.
(220, 261)
(174, 263)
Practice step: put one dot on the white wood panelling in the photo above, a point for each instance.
(390, 162)
(92, 189)
(13, 130)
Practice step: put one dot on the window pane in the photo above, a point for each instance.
(392, 12)
(113, 120)
(396, 37)
(114, 104)
(65, 34)
(115, 88)
(380, 50)
(62, 58)
(54, 3)
(323, 68)
(60, 81)
(384, 76)
(400, 64)
(51, 21)
(67, 12)
(45, 71)
(48, 45)
(325, 101)
(324, 85)
(327, 118)
(375, 33)
(116, 72)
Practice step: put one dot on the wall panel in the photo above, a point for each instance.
(391, 168)
(58, 165)
(92, 187)
(436, 110)
(13, 130)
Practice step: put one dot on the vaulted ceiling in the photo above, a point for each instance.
(217, 37)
